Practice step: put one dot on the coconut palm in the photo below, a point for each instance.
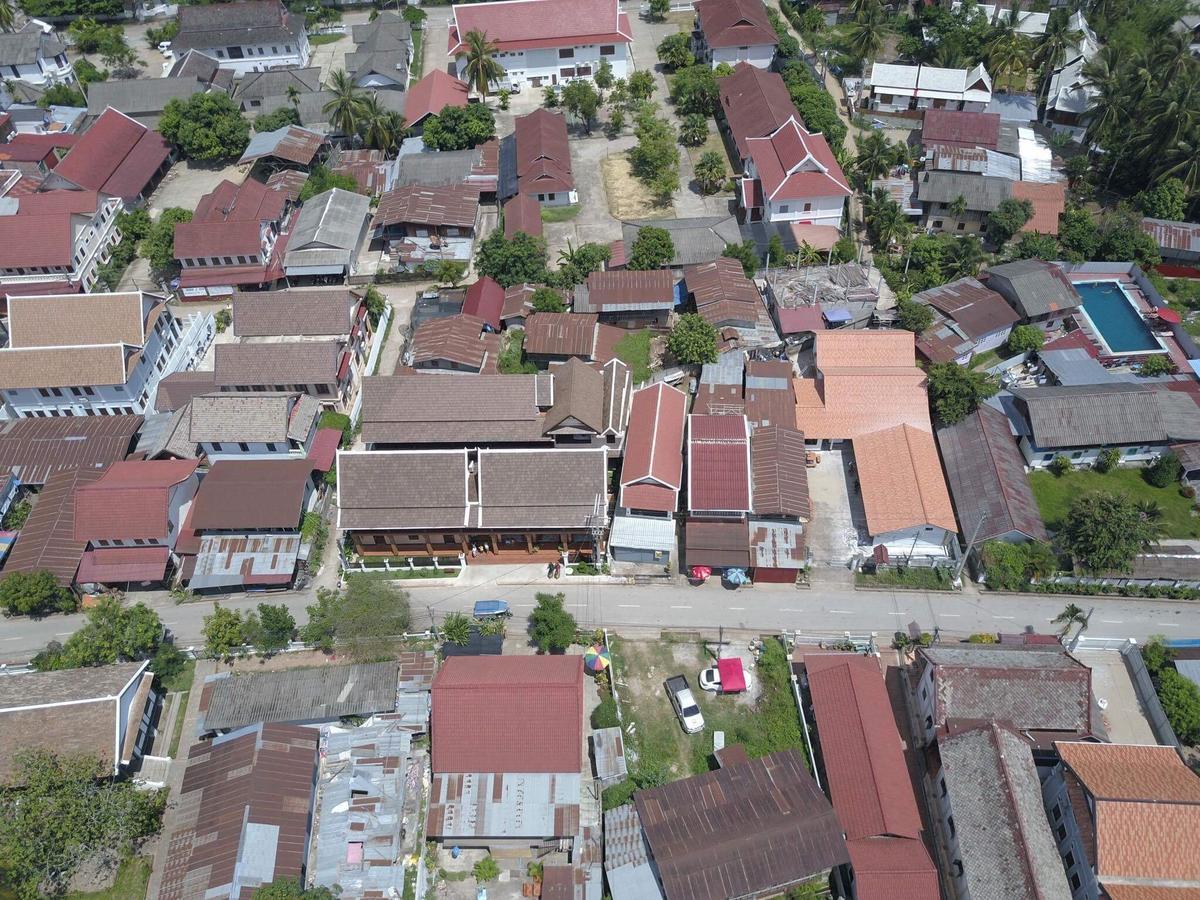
(868, 33)
(1007, 55)
(1051, 51)
(957, 206)
(1171, 56)
(890, 226)
(874, 157)
(8, 16)
(380, 127)
(857, 7)
(965, 257)
(292, 93)
(345, 108)
(808, 255)
(1071, 615)
(481, 68)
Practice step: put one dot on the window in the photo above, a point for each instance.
(942, 787)
(1077, 454)
(413, 537)
(550, 196)
(1061, 831)
(929, 721)
(937, 223)
(243, 446)
(275, 50)
(216, 446)
(808, 207)
(270, 447)
(139, 541)
(566, 53)
(1047, 457)
(566, 73)
(962, 226)
(608, 50)
(957, 868)
(1069, 860)
(1057, 812)
(950, 823)
(449, 539)
(1075, 882)
(783, 208)
(56, 392)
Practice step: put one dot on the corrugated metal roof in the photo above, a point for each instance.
(531, 805)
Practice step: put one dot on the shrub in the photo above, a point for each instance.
(693, 340)
(1153, 366)
(605, 715)
(34, 594)
(456, 628)
(1060, 465)
(1108, 459)
(1180, 700)
(982, 638)
(487, 869)
(1025, 338)
(1164, 471)
(550, 625)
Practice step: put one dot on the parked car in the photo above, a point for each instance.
(685, 705)
(728, 676)
(491, 609)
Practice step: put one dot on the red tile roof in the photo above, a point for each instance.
(522, 25)
(508, 714)
(953, 128)
(523, 213)
(794, 164)
(543, 154)
(890, 868)
(37, 147)
(756, 102)
(130, 501)
(718, 463)
(432, 94)
(735, 23)
(41, 232)
(1049, 201)
(652, 472)
(485, 300)
(115, 565)
(116, 156)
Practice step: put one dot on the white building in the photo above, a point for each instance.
(95, 354)
(1070, 92)
(56, 238)
(546, 42)
(35, 56)
(247, 36)
(269, 425)
(734, 31)
(790, 176)
(897, 88)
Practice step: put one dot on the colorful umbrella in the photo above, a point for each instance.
(736, 576)
(597, 658)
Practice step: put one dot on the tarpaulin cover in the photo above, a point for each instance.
(733, 679)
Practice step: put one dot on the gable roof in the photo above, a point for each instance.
(282, 363)
(34, 448)
(130, 500)
(561, 334)
(485, 299)
(901, 480)
(26, 46)
(273, 82)
(986, 475)
(543, 154)
(244, 22)
(578, 399)
(625, 289)
(116, 156)
(505, 714)
(417, 488)
(47, 540)
(1033, 286)
(719, 463)
(1087, 415)
(522, 212)
(541, 24)
(251, 494)
(931, 81)
(1049, 201)
(418, 204)
(756, 103)
(652, 468)
(976, 310)
(327, 312)
(753, 828)
(542, 488)
(780, 480)
(735, 23)
(457, 339)
(960, 128)
(333, 219)
(233, 416)
(1181, 237)
(141, 96)
(793, 163)
(433, 93)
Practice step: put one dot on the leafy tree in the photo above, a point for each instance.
(65, 811)
(122, 60)
(89, 36)
(913, 316)
(550, 625)
(414, 16)
(517, 260)
(1026, 339)
(481, 69)
(641, 85)
(449, 271)
(1078, 234)
(710, 171)
(1011, 567)
(1105, 531)
(693, 340)
(1166, 200)
(655, 154)
(373, 612)
(61, 95)
(1159, 364)
(87, 73)
(1009, 216)
(280, 118)
(224, 632)
(277, 627)
(321, 179)
(746, 253)
(549, 97)
(675, 51)
(604, 77)
(205, 126)
(17, 516)
(868, 32)
(775, 250)
(460, 127)
(321, 628)
(547, 299)
(1164, 471)
(1108, 460)
(956, 392)
(1122, 239)
(694, 131)
(581, 100)
(134, 224)
(487, 869)
(1156, 654)
(575, 264)
(1032, 245)
(694, 90)
(1180, 700)
(290, 888)
(34, 594)
(658, 9)
(112, 633)
(159, 244)
(456, 628)
(651, 248)
(375, 303)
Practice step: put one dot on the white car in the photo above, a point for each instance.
(710, 679)
(685, 704)
(164, 47)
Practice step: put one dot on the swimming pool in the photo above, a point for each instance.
(1115, 319)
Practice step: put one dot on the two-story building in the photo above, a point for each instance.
(246, 36)
(383, 52)
(734, 31)
(895, 87)
(130, 519)
(235, 425)
(95, 354)
(116, 156)
(968, 319)
(34, 56)
(791, 176)
(545, 42)
(543, 158)
(56, 240)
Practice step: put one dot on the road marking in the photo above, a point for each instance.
(951, 615)
(13, 639)
(1003, 617)
(1112, 621)
(680, 607)
(1167, 624)
(842, 612)
(629, 605)
(62, 633)
(781, 609)
(740, 608)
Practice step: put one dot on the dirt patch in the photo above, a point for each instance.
(628, 198)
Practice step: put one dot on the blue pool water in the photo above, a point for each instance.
(1115, 318)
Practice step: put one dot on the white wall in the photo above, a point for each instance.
(758, 55)
(46, 71)
(522, 67)
(1036, 457)
(92, 239)
(920, 541)
(262, 58)
(813, 210)
(254, 450)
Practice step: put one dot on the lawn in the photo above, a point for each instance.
(628, 198)
(317, 40)
(714, 143)
(985, 360)
(634, 351)
(1055, 494)
(183, 680)
(133, 877)
(1183, 296)
(418, 61)
(560, 213)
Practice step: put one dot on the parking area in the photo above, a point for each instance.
(188, 181)
(1120, 709)
(838, 520)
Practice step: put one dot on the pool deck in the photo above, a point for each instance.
(1174, 351)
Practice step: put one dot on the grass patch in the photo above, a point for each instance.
(627, 197)
(928, 579)
(1055, 493)
(634, 351)
(418, 61)
(985, 360)
(417, 574)
(177, 731)
(512, 354)
(1183, 296)
(560, 213)
(182, 680)
(133, 877)
(317, 40)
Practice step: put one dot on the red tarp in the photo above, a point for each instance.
(733, 679)
(324, 448)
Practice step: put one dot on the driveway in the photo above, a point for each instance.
(332, 56)
(593, 222)
(835, 531)
(437, 33)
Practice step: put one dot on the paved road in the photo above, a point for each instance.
(762, 608)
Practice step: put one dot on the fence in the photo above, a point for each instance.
(381, 335)
(1148, 697)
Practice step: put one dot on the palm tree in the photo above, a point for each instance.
(292, 93)
(1051, 51)
(345, 107)
(868, 33)
(857, 7)
(874, 157)
(1182, 161)
(1071, 615)
(1007, 55)
(569, 256)
(965, 257)
(8, 16)
(481, 68)
(958, 206)
(808, 255)
(380, 128)
(891, 226)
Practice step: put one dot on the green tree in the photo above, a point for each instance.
(550, 625)
(658, 9)
(380, 128)
(1152, 366)
(373, 613)
(641, 85)
(1035, 246)
(955, 392)
(481, 70)
(487, 869)
(205, 126)
(1105, 531)
(1078, 234)
(1009, 217)
(273, 121)
(321, 179)
(550, 97)
(1025, 339)
(580, 99)
(604, 77)
(694, 131)
(224, 633)
(1108, 460)
(17, 516)
(1165, 200)
(546, 299)
(655, 154)
(746, 253)
(89, 36)
(61, 95)
(158, 247)
(87, 73)
(867, 34)
(1164, 471)
(414, 16)
(1122, 239)
(693, 340)
(517, 260)
(112, 633)
(34, 594)
(290, 888)
(675, 51)
(694, 90)
(277, 627)
(652, 248)
(1156, 654)
(874, 156)
(710, 171)
(1180, 700)
(7, 16)
(575, 264)
(459, 127)
(456, 628)
(775, 251)
(344, 107)
(321, 628)
(913, 316)
(449, 271)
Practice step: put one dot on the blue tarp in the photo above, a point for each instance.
(837, 315)
(680, 293)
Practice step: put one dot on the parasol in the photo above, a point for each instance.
(597, 658)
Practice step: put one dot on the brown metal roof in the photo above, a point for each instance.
(48, 539)
(975, 309)
(615, 288)
(543, 153)
(416, 204)
(251, 494)
(578, 399)
(242, 814)
(308, 313)
(779, 475)
(757, 827)
(456, 339)
(34, 448)
(285, 363)
(717, 544)
(403, 489)
(177, 389)
(523, 213)
(561, 334)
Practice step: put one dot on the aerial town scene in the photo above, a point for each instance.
(600, 449)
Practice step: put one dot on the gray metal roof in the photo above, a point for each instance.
(608, 754)
(729, 368)
(626, 856)
(22, 48)
(982, 193)
(697, 240)
(1014, 107)
(334, 219)
(432, 169)
(643, 532)
(1099, 415)
(1033, 287)
(1075, 366)
(141, 96)
(504, 805)
(275, 82)
(1004, 839)
(300, 695)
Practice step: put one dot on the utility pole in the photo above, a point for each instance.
(957, 580)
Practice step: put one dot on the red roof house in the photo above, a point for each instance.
(485, 300)
(503, 714)
(793, 171)
(1049, 202)
(718, 464)
(652, 472)
(734, 23)
(960, 128)
(523, 213)
(755, 102)
(541, 24)
(543, 154)
(432, 94)
(116, 156)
